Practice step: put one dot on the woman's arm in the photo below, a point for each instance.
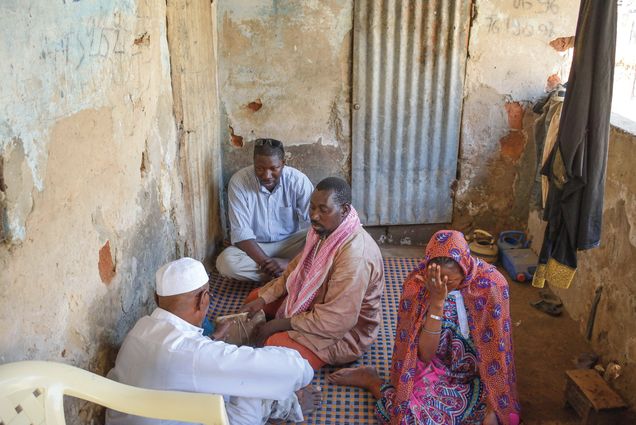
(432, 324)
(491, 418)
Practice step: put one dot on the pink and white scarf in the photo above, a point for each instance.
(304, 282)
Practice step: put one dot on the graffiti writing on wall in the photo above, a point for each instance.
(519, 27)
(97, 55)
(528, 18)
(538, 6)
(96, 45)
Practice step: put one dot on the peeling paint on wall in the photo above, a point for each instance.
(255, 106)
(561, 44)
(235, 140)
(514, 143)
(91, 188)
(17, 193)
(497, 163)
(291, 83)
(66, 68)
(106, 265)
(302, 74)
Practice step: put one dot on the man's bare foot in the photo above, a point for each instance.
(365, 377)
(309, 398)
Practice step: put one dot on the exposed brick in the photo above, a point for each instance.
(106, 266)
(235, 139)
(515, 115)
(561, 44)
(143, 39)
(255, 105)
(513, 145)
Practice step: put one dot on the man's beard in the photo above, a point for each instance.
(321, 231)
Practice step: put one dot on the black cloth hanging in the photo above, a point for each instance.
(576, 167)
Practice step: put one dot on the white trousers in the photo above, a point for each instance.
(252, 411)
(235, 263)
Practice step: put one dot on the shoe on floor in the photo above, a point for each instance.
(550, 297)
(547, 307)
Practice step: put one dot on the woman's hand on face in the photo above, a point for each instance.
(435, 284)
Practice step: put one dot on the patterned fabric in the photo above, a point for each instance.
(303, 283)
(341, 404)
(559, 275)
(448, 390)
(485, 292)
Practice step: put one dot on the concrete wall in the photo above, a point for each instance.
(611, 266)
(624, 93)
(92, 173)
(285, 72)
(509, 65)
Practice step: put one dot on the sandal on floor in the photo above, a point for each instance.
(549, 297)
(548, 307)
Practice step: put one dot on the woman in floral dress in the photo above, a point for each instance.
(453, 358)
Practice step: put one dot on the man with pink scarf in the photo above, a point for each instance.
(326, 305)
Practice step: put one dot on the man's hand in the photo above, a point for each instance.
(253, 307)
(221, 331)
(270, 328)
(274, 266)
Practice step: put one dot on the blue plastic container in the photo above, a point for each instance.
(519, 261)
(512, 239)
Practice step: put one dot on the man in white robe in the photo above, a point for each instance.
(167, 351)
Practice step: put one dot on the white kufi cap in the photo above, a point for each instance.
(180, 276)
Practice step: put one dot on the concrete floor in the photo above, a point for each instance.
(545, 347)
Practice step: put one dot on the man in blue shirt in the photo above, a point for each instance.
(268, 212)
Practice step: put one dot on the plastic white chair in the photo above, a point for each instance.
(31, 392)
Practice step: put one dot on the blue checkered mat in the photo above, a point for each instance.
(341, 405)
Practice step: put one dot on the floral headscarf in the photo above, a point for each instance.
(485, 292)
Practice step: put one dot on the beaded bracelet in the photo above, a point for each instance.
(432, 332)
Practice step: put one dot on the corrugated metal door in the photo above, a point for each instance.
(409, 62)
